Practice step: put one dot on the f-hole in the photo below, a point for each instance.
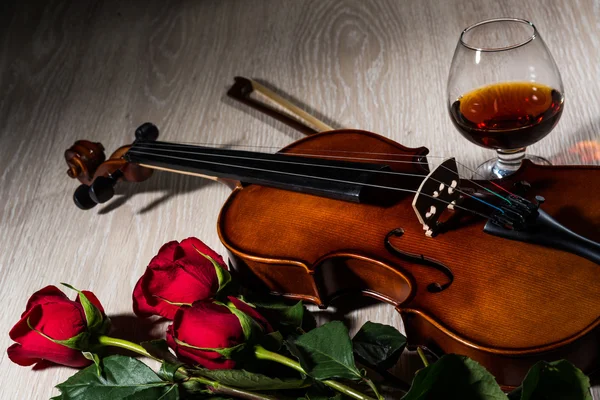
(420, 259)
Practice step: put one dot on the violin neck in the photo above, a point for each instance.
(326, 177)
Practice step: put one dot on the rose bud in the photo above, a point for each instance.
(56, 329)
(209, 333)
(180, 274)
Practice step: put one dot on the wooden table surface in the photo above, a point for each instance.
(96, 70)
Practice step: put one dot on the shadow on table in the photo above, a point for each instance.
(159, 182)
(340, 308)
(171, 184)
(595, 379)
(137, 330)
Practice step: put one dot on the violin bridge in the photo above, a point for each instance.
(438, 191)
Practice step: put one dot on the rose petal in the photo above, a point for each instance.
(21, 328)
(141, 308)
(183, 283)
(33, 352)
(166, 254)
(92, 298)
(33, 347)
(192, 246)
(18, 356)
(251, 312)
(48, 294)
(60, 321)
(170, 340)
(147, 301)
(207, 359)
(178, 274)
(208, 325)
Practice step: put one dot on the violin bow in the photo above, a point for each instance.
(263, 99)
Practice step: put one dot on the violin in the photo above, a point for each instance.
(504, 272)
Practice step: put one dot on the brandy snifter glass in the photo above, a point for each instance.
(504, 91)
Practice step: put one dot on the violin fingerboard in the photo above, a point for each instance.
(437, 192)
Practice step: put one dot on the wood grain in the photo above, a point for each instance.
(96, 70)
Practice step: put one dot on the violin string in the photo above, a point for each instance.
(220, 145)
(153, 147)
(310, 154)
(250, 146)
(134, 151)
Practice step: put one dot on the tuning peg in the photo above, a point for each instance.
(82, 198)
(102, 189)
(146, 131)
(539, 200)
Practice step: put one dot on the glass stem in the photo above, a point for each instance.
(508, 162)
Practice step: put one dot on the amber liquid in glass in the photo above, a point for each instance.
(508, 115)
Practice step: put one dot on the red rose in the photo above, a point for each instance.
(180, 274)
(207, 333)
(55, 329)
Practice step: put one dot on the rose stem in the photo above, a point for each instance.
(422, 355)
(215, 387)
(125, 344)
(264, 354)
(219, 388)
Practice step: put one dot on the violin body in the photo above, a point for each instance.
(506, 304)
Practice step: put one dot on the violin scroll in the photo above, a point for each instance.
(83, 158)
(98, 176)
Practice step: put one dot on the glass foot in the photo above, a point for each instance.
(494, 169)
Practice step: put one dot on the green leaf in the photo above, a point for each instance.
(557, 380)
(105, 326)
(454, 377)
(243, 379)
(378, 345)
(285, 315)
(228, 352)
(250, 327)
(168, 371)
(272, 341)
(282, 312)
(78, 342)
(223, 276)
(122, 378)
(93, 316)
(326, 352)
(309, 322)
(94, 357)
